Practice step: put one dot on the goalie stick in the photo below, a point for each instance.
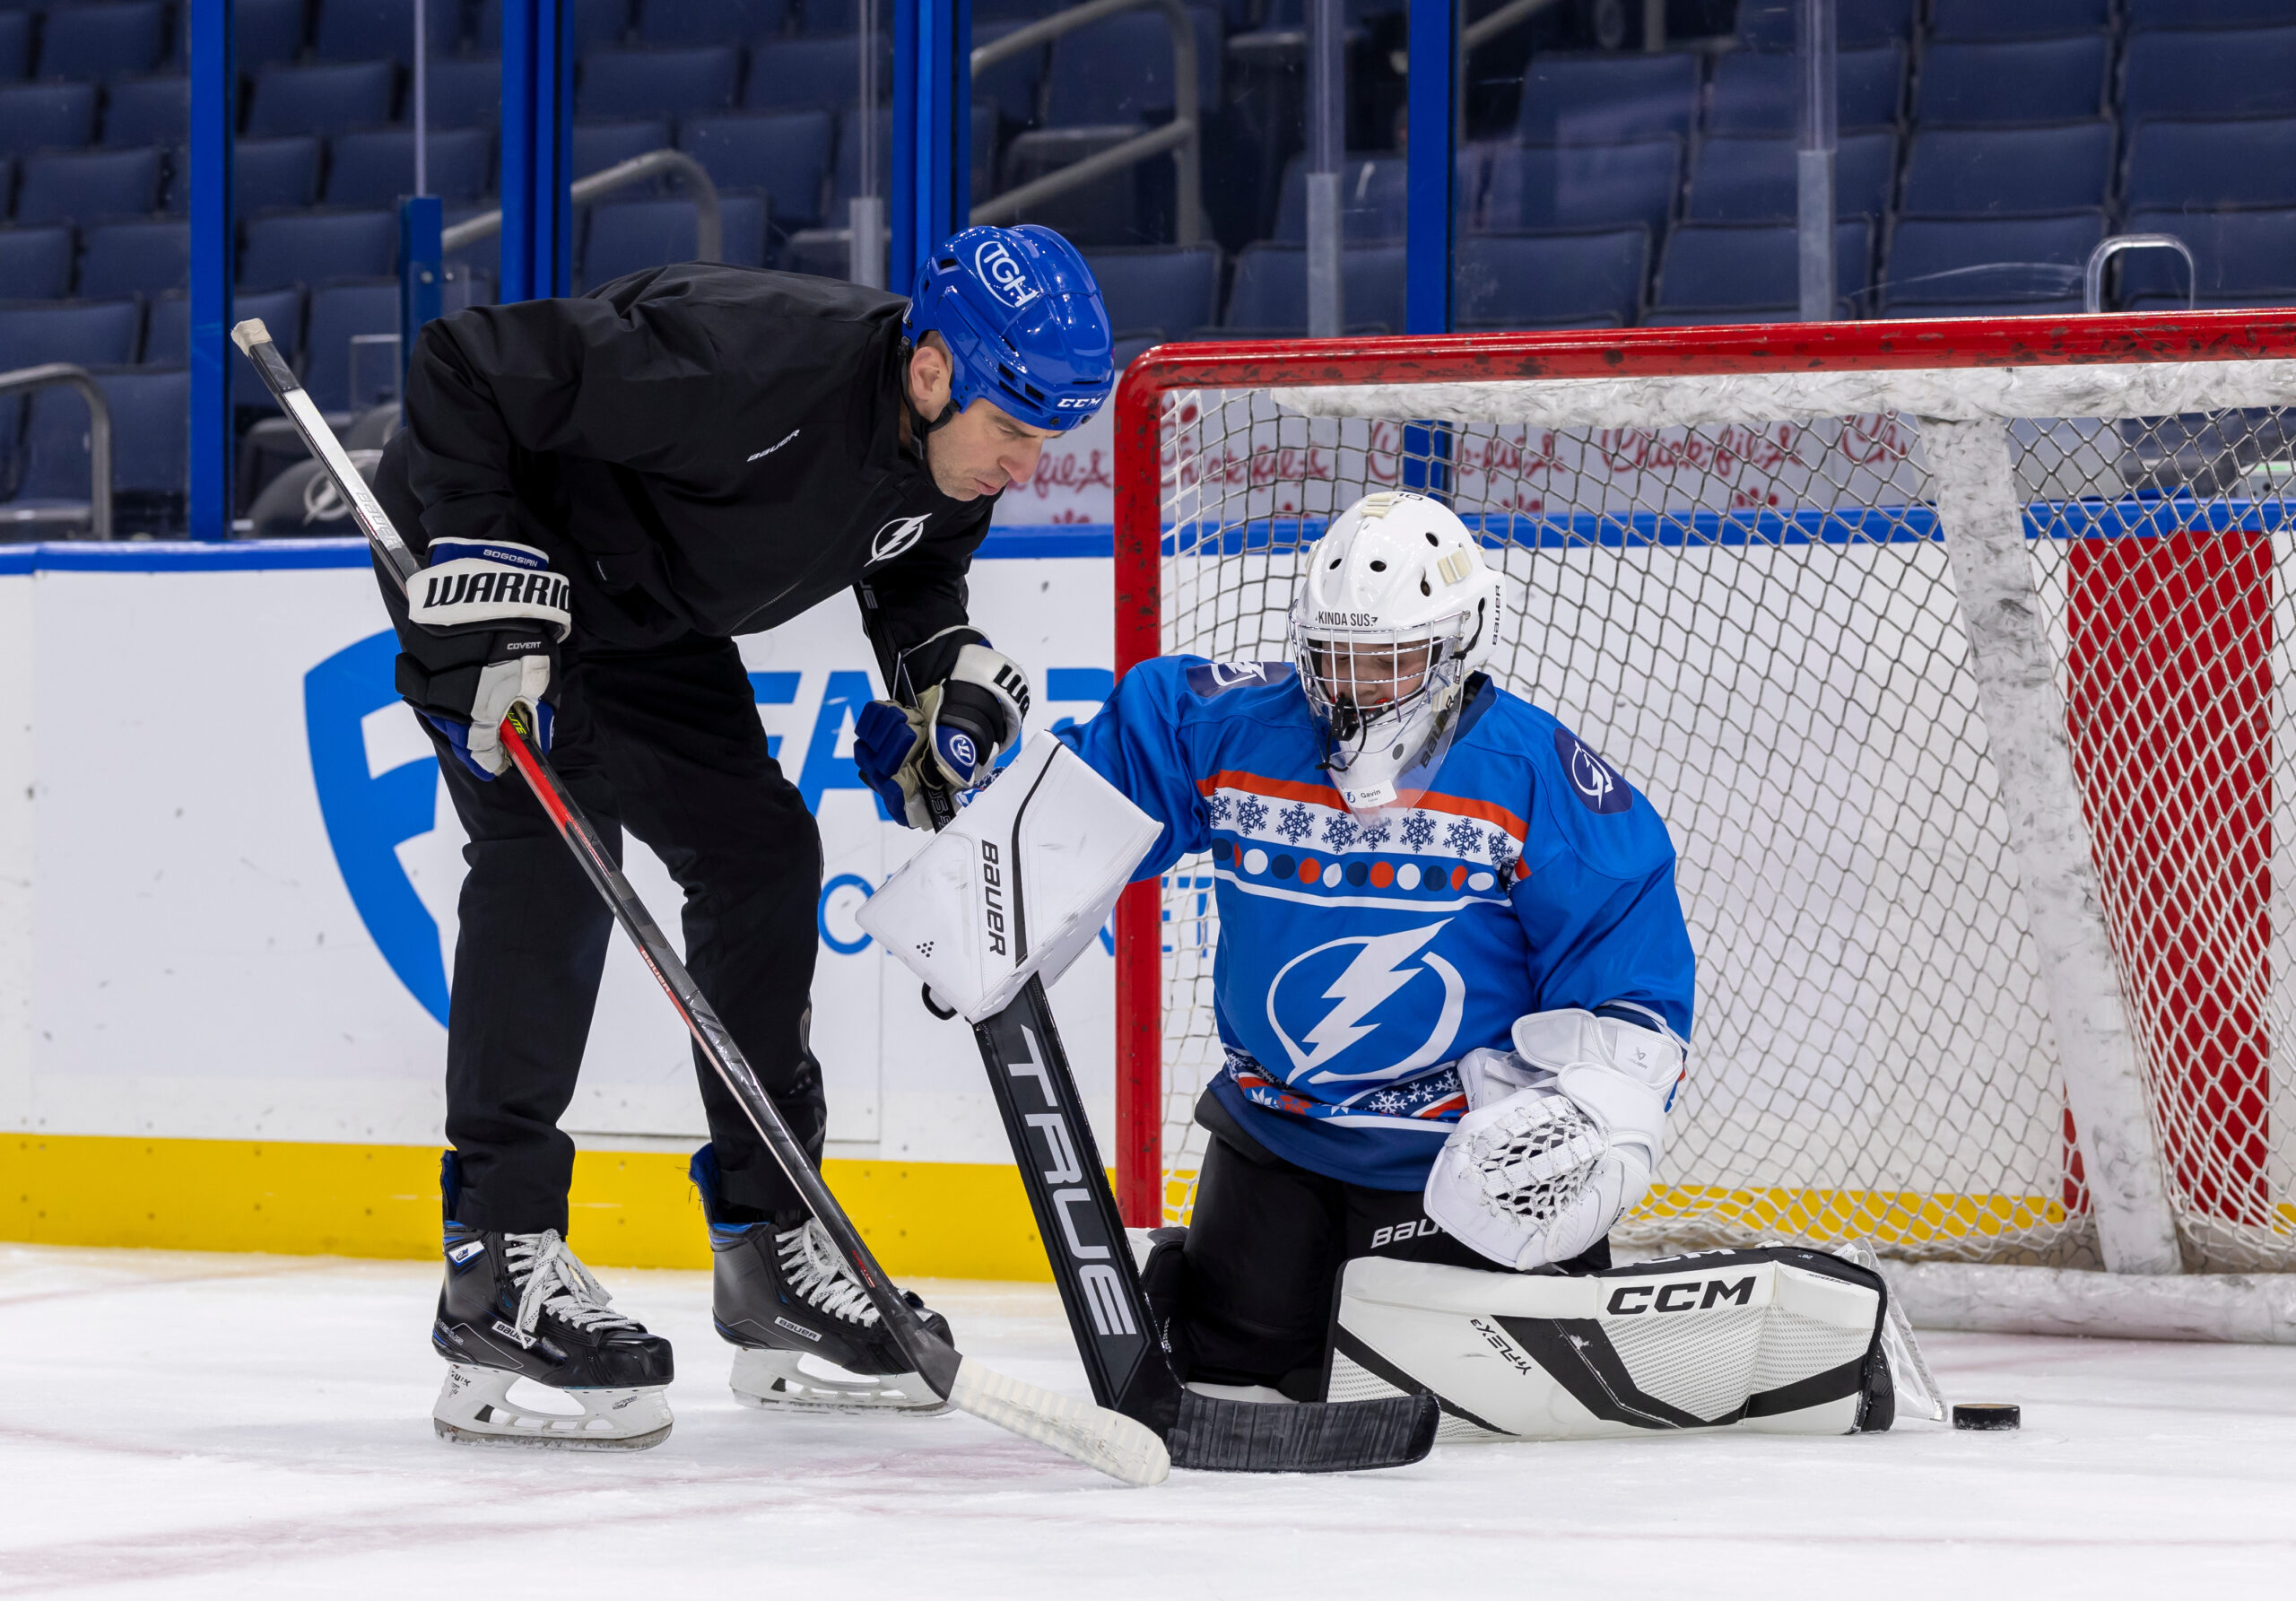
(1119, 1446)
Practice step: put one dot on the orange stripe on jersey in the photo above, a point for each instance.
(1322, 794)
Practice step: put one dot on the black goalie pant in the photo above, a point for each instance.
(1265, 1243)
(665, 741)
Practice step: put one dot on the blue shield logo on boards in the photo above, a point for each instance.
(368, 816)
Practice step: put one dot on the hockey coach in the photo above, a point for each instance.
(687, 455)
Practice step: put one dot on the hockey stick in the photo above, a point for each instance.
(1118, 1446)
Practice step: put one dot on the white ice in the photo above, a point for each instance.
(215, 1425)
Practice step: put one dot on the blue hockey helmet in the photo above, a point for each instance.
(1023, 322)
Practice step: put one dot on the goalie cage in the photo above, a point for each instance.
(1956, 657)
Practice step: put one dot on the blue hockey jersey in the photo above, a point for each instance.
(1356, 965)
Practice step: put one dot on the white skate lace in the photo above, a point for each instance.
(817, 1272)
(555, 1281)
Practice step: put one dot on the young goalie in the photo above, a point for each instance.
(1454, 985)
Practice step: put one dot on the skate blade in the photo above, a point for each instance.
(473, 1410)
(773, 1381)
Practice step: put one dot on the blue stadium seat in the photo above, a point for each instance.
(15, 45)
(1936, 263)
(1370, 200)
(79, 43)
(2206, 14)
(1015, 83)
(1166, 290)
(1753, 268)
(46, 117)
(2000, 83)
(331, 97)
(36, 263)
(1757, 95)
(384, 30)
(2240, 258)
(2192, 74)
(628, 236)
(784, 154)
(465, 91)
(1975, 172)
(310, 247)
(1120, 70)
(90, 333)
(62, 186)
(148, 111)
(1756, 181)
(713, 21)
(377, 166)
(340, 312)
(832, 16)
(1271, 289)
(659, 82)
(274, 174)
(598, 145)
(270, 31)
(1021, 11)
(845, 181)
(169, 340)
(2017, 19)
(1591, 279)
(1608, 100)
(2201, 166)
(147, 257)
(1769, 24)
(150, 411)
(787, 74)
(1581, 187)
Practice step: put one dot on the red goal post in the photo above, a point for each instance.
(2208, 1055)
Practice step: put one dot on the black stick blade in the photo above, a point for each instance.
(1318, 1437)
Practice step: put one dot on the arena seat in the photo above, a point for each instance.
(789, 75)
(1757, 95)
(148, 111)
(833, 16)
(169, 340)
(2240, 259)
(144, 255)
(384, 30)
(310, 247)
(464, 92)
(2198, 73)
(2020, 19)
(1581, 186)
(1936, 263)
(1998, 84)
(1969, 172)
(60, 185)
(274, 174)
(1164, 290)
(90, 333)
(1370, 200)
(1756, 181)
(712, 21)
(151, 413)
(46, 117)
(2205, 13)
(15, 45)
(659, 83)
(36, 263)
(1270, 295)
(269, 31)
(376, 167)
(1014, 84)
(1587, 280)
(1608, 100)
(783, 155)
(1769, 24)
(84, 43)
(328, 98)
(598, 145)
(627, 236)
(340, 312)
(2201, 166)
(1754, 268)
(1119, 70)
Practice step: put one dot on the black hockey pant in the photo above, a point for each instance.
(667, 743)
(1265, 1246)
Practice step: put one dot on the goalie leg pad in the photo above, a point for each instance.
(1780, 1339)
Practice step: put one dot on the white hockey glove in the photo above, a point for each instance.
(1559, 1139)
(948, 733)
(487, 618)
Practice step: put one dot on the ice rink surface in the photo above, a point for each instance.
(218, 1425)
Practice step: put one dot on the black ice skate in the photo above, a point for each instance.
(780, 1295)
(521, 1306)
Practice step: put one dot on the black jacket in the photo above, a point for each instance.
(700, 449)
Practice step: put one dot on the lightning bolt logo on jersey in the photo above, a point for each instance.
(1359, 961)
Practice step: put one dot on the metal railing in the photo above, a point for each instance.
(709, 218)
(99, 430)
(1183, 135)
(2092, 278)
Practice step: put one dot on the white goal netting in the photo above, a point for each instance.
(1758, 622)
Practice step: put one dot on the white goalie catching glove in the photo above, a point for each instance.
(1559, 1139)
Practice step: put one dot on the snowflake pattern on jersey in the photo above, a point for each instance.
(1340, 832)
(1411, 1100)
(1221, 806)
(1251, 817)
(1464, 838)
(1417, 830)
(1378, 834)
(1294, 824)
(1502, 855)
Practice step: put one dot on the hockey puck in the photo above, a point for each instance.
(1986, 1414)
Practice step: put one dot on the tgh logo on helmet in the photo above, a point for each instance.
(995, 262)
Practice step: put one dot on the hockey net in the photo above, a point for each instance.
(1736, 565)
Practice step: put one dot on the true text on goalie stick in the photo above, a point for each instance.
(1118, 1446)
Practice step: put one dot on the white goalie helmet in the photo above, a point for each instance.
(1396, 609)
